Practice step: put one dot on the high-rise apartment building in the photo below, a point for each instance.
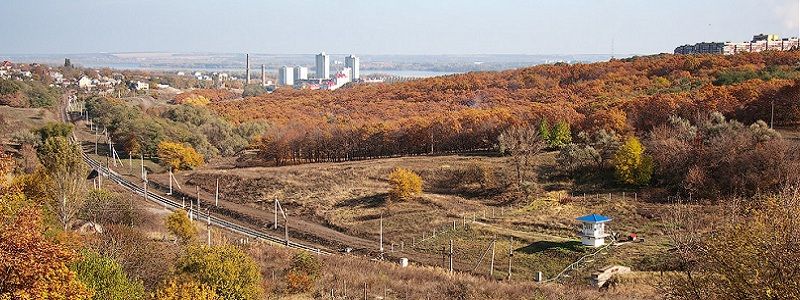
(323, 66)
(286, 76)
(352, 62)
(300, 73)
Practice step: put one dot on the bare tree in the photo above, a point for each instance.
(522, 143)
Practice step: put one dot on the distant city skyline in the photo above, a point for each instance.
(385, 27)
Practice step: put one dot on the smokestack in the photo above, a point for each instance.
(263, 75)
(247, 68)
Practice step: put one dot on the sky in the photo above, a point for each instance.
(385, 26)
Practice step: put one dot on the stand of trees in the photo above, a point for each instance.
(467, 112)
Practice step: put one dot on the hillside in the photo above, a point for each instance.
(467, 112)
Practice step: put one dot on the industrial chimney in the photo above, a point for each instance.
(263, 75)
(247, 69)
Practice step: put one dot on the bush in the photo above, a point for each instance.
(52, 129)
(575, 159)
(177, 156)
(178, 224)
(227, 269)
(106, 278)
(405, 184)
(302, 273)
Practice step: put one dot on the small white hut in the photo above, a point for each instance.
(593, 231)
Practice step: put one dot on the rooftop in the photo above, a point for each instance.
(594, 218)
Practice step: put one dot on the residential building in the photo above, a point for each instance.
(352, 62)
(300, 73)
(85, 83)
(323, 66)
(286, 76)
(760, 42)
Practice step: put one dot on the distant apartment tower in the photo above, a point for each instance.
(247, 68)
(323, 66)
(352, 62)
(300, 73)
(286, 76)
(263, 75)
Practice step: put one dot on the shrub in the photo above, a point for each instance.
(227, 269)
(52, 129)
(106, 278)
(631, 165)
(178, 224)
(177, 156)
(405, 184)
(574, 158)
(302, 273)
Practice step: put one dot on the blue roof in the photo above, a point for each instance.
(594, 218)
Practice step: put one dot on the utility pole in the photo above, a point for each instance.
(216, 195)
(170, 181)
(208, 225)
(491, 264)
(275, 225)
(451, 256)
(145, 186)
(772, 114)
(381, 235)
(510, 254)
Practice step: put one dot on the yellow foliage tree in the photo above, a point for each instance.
(178, 224)
(405, 184)
(631, 165)
(31, 265)
(227, 269)
(177, 156)
(180, 288)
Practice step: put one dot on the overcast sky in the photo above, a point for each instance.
(384, 26)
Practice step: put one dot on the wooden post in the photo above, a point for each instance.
(454, 225)
(464, 222)
(365, 291)
(401, 245)
(635, 197)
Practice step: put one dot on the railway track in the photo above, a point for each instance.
(173, 204)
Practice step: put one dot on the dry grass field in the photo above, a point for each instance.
(339, 205)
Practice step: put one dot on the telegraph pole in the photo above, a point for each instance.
(208, 225)
(772, 114)
(451, 256)
(381, 235)
(275, 224)
(216, 194)
(491, 265)
(510, 254)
